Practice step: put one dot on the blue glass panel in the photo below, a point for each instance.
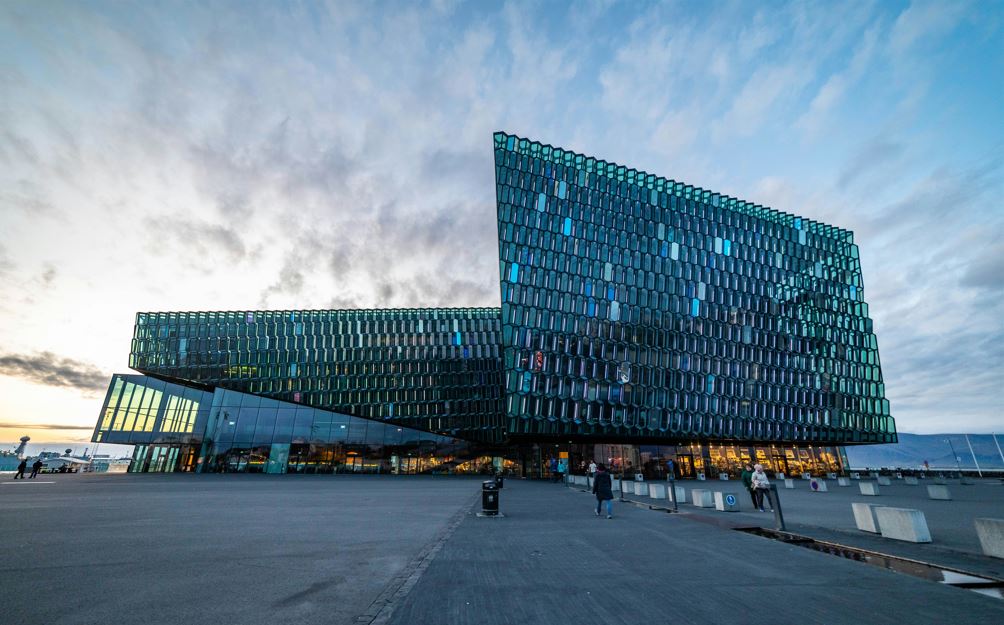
(591, 308)
(854, 292)
(562, 190)
(457, 338)
(611, 292)
(541, 202)
(568, 226)
(695, 307)
(514, 273)
(664, 251)
(727, 247)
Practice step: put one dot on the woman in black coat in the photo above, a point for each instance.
(603, 491)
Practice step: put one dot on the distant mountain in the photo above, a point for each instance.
(913, 449)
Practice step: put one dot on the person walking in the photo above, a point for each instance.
(603, 489)
(552, 466)
(20, 469)
(35, 468)
(592, 467)
(747, 478)
(761, 487)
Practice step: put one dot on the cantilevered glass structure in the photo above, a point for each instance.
(641, 319)
(635, 307)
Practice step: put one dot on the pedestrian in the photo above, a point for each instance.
(552, 466)
(592, 467)
(20, 469)
(747, 478)
(562, 468)
(670, 469)
(761, 487)
(602, 488)
(36, 467)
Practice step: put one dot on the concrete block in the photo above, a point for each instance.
(869, 488)
(940, 480)
(702, 498)
(640, 488)
(656, 490)
(700, 476)
(681, 494)
(831, 476)
(873, 474)
(726, 502)
(615, 485)
(912, 481)
(855, 475)
(789, 483)
(843, 481)
(899, 475)
(864, 517)
(779, 476)
(806, 475)
(723, 477)
(817, 485)
(903, 524)
(883, 481)
(939, 491)
(991, 533)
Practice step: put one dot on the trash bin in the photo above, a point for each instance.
(499, 480)
(489, 497)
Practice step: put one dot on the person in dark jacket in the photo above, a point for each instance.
(747, 478)
(20, 469)
(35, 468)
(602, 488)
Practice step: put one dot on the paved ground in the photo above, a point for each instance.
(212, 548)
(551, 560)
(828, 516)
(366, 549)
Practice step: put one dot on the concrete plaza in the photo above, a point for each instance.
(365, 549)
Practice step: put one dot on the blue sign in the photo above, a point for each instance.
(730, 499)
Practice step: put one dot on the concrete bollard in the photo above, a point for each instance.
(615, 485)
(640, 488)
(702, 498)
(899, 475)
(939, 491)
(806, 475)
(724, 477)
(681, 494)
(883, 481)
(903, 524)
(855, 475)
(869, 488)
(864, 516)
(843, 481)
(817, 485)
(779, 476)
(789, 483)
(991, 534)
(700, 476)
(656, 490)
(912, 481)
(726, 502)
(831, 476)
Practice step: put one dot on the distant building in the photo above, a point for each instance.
(641, 319)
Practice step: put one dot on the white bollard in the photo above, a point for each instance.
(640, 488)
(864, 516)
(702, 498)
(912, 481)
(726, 502)
(789, 483)
(817, 485)
(883, 481)
(843, 481)
(869, 488)
(903, 524)
(656, 490)
(991, 534)
(939, 491)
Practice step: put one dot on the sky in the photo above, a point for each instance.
(288, 155)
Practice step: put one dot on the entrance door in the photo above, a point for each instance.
(685, 465)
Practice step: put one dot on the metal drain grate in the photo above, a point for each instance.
(981, 584)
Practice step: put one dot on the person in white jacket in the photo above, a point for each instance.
(761, 487)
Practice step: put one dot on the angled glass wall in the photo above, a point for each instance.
(635, 307)
(434, 369)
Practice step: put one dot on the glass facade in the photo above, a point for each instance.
(179, 428)
(641, 319)
(438, 370)
(636, 307)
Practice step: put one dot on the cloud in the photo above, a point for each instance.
(987, 269)
(199, 242)
(870, 159)
(44, 426)
(49, 369)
